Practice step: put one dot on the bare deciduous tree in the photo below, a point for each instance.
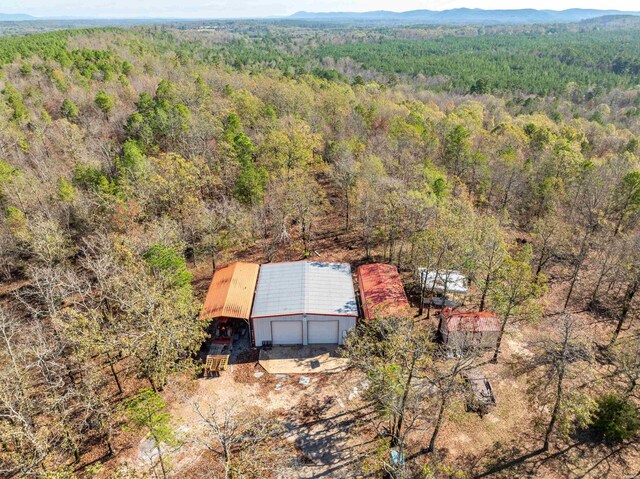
(247, 442)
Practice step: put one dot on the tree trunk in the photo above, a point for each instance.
(194, 260)
(398, 427)
(574, 278)
(632, 386)
(228, 470)
(110, 450)
(107, 437)
(507, 191)
(152, 384)
(115, 374)
(577, 269)
(601, 275)
(399, 257)
(559, 390)
(554, 413)
(436, 429)
(346, 200)
(490, 193)
(596, 289)
(500, 334)
(618, 226)
(423, 290)
(161, 460)
(541, 261)
(626, 305)
(76, 449)
(485, 290)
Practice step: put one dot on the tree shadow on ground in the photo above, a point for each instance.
(325, 438)
(583, 457)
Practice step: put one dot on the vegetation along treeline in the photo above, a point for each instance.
(133, 159)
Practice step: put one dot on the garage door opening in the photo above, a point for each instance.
(323, 332)
(286, 332)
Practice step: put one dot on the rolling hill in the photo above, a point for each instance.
(15, 17)
(463, 16)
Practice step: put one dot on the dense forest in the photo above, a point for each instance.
(538, 64)
(133, 161)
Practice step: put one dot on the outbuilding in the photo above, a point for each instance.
(442, 288)
(462, 330)
(381, 291)
(230, 294)
(228, 307)
(301, 303)
(443, 281)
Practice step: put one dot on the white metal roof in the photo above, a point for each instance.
(304, 287)
(455, 281)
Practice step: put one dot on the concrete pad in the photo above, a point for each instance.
(302, 359)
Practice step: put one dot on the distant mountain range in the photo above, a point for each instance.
(15, 17)
(463, 16)
(456, 16)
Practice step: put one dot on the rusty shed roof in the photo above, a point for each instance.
(231, 291)
(470, 322)
(381, 290)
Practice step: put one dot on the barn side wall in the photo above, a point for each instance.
(262, 326)
(485, 339)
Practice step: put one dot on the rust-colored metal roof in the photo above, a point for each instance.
(381, 290)
(231, 291)
(470, 322)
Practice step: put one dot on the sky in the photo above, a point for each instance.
(270, 8)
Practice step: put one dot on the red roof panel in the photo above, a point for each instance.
(470, 322)
(381, 290)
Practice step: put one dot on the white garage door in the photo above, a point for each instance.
(323, 332)
(286, 332)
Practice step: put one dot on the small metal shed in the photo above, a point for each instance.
(381, 291)
(303, 303)
(463, 330)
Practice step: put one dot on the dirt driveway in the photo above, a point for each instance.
(323, 414)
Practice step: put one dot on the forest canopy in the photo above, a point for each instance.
(134, 161)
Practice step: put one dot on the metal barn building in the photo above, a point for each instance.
(303, 303)
(381, 291)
